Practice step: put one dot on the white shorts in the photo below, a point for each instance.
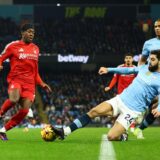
(126, 115)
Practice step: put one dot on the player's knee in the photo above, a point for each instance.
(14, 100)
(25, 103)
(26, 107)
(93, 113)
(112, 137)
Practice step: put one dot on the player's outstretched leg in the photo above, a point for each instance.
(77, 123)
(59, 132)
(102, 109)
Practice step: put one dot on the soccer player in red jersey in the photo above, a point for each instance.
(23, 76)
(122, 81)
(8, 104)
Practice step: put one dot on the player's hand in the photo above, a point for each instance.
(1, 67)
(106, 89)
(154, 103)
(103, 70)
(47, 88)
(155, 112)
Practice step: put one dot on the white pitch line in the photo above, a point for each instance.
(106, 151)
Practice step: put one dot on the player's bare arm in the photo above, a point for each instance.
(47, 88)
(106, 89)
(112, 83)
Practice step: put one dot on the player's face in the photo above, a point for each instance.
(154, 63)
(28, 35)
(157, 28)
(128, 60)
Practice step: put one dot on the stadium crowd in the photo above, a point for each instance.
(90, 36)
(74, 94)
(81, 36)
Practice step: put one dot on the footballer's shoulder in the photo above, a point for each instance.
(151, 40)
(13, 43)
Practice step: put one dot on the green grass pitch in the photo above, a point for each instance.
(83, 144)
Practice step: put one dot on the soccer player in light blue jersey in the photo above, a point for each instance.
(149, 45)
(130, 104)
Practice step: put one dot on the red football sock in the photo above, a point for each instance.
(133, 125)
(6, 106)
(16, 119)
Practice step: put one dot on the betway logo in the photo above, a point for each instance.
(72, 58)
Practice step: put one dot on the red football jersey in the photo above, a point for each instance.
(122, 80)
(23, 61)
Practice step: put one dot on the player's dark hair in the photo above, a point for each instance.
(158, 20)
(156, 52)
(26, 27)
(128, 54)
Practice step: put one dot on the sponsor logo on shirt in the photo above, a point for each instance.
(28, 56)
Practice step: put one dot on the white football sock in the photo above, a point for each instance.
(67, 131)
(3, 130)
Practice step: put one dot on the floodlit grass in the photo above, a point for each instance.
(147, 149)
(83, 144)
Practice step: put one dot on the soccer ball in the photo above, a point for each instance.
(48, 134)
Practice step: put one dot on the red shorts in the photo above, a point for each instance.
(26, 90)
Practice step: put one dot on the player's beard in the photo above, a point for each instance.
(128, 63)
(153, 68)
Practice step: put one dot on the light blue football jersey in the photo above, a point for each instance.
(149, 45)
(144, 88)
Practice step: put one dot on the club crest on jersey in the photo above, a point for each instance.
(12, 86)
(21, 50)
(148, 73)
